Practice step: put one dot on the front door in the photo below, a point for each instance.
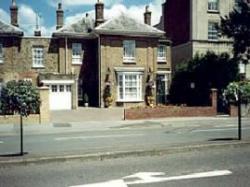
(161, 88)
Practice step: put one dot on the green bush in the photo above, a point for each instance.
(19, 97)
(231, 92)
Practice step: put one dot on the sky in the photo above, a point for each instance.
(73, 10)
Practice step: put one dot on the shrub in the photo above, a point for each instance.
(21, 97)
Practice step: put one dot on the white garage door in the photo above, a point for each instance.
(60, 96)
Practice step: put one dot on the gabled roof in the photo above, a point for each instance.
(80, 28)
(9, 30)
(124, 25)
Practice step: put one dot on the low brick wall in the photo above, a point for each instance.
(173, 111)
(245, 110)
(168, 111)
(15, 119)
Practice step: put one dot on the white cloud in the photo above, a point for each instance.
(4, 16)
(28, 21)
(135, 12)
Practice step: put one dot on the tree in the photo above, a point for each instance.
(20, 97)
(236, 25)
(204, 72)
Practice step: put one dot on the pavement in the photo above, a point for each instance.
(101, 121)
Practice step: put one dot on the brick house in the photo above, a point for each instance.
(88, 56)
(192, 27)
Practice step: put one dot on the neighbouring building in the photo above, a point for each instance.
(89, 56)
(192, 26)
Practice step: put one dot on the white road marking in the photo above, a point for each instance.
(115, 183)
(1, 142)
(96, 137)
(149, 177)
(225, 129)
(146, 178)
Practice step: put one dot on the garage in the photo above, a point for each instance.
(60, 94)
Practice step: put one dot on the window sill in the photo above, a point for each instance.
(129, 101)
(77, 63)
(128, 60)
(161, 61)
(213, 11)
(38, 67)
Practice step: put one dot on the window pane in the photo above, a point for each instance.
(54, 88)
(61, 88)
(212, 31)
(129, 50)
(129, 87)
(76, 52)
(213, 4)
(37, 55)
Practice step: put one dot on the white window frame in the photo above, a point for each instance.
(213, 5)
(76, 53)
(123, 94)
(38, 57)
(1, 53)
(129, 51)
(161, 53)
(213, 33)
(167, 80)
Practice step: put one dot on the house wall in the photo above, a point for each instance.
(112, 56)
(18, 58)
(201, 16)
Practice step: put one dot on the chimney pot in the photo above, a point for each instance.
(147, 16)
(99, 13)
(14, 14)
(59, 16)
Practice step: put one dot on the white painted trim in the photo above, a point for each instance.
(57, 81)
(163, 72)
(129, 69)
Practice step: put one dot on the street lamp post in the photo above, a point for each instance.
(239, 113)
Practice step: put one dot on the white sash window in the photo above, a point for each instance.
(129, 86)
(76, 53)
(128, 51)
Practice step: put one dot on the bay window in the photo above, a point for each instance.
(129, 86)
(128, 51)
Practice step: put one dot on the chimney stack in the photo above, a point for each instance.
(59, 16)
(14, 13)
(99, 13)
(37, 33)
(147, 16)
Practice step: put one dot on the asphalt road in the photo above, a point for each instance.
(134, 136)
(227, 167)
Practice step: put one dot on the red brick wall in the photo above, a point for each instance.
(173, 111)
(169, 111)
(176, 14)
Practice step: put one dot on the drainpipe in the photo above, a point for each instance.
(99, 64)
(66, 54)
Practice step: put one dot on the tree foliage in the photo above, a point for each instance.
(21, 97)
(206, 72)
(236, 25)
(231, 92)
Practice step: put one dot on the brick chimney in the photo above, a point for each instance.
(99, 13)
(14, 13)
(147, 16)
(59, 16)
